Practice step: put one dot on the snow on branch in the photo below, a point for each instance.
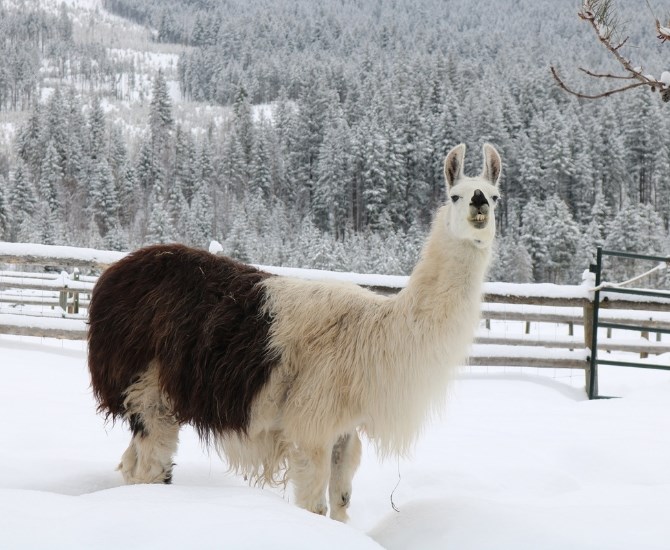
(604, 21)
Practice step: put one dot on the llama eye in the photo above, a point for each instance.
(495, 198)
(455, 198)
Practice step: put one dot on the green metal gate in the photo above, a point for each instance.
(595, 361)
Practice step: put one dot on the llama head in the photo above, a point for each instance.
(472, 200)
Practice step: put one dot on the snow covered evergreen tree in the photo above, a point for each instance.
(22, 201)
(104, 199)
(160, 111)
(160, 229)
(51, 177)
(331, 192)
(637, 228)
(4, 211)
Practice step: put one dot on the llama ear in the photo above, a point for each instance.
(453, 165)
(492, 164)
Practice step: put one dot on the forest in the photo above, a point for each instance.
(339, 117)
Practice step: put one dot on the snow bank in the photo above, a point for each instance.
(520, 461)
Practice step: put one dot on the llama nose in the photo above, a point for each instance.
(479, 201)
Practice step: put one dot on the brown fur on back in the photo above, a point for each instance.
(199, 316)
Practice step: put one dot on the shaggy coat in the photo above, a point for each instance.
(283, 373)
(199, 316)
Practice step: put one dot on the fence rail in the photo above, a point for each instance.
(48, 305)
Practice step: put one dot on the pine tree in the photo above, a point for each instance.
(535, 238)
(660, 181)
(306, 135)
(240, 236)
(160, 229)
(96, 130)
(45, 228)
(512, 261)
(374, 191)
(261, 166)
(128, 196)
(530, 174)
(29, 143)
(74, 146)
(641, 145)
(22, 200)
(238, 150)
(198, 34)
(520, 265)
(177, 208)
(65, 31)
(4, 212)
(600, 211)
(116, 238)
(590, 239)
(160, 113)
(610, 158)
(331, 193)
(581, 182)
(204, 167)
(118, 154)
(562, 237)
(104, 200)
(51, 177)
(185, 163)
(559, 169)
(199, 228)
(55, 128)
(637, 228)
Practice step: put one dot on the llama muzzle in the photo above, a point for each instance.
(479, 209)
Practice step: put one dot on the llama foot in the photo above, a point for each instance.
(136, 471)
(128, 464)
(309, 470)
(320, 508)
(338, 510)
(156, 474)
(339, 513)
(345, 459)
(148, 458)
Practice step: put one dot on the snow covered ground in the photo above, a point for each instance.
(520, 460)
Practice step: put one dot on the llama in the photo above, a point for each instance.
(282, 374)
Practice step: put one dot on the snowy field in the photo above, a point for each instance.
(520, 460)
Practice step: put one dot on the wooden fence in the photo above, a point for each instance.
(53, 304)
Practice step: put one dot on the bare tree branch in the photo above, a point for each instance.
(605, 23)
(603, 75)
(581, 95)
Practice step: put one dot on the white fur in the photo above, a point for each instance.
(352, 359)
(148, 458)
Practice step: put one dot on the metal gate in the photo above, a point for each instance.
(595, 361)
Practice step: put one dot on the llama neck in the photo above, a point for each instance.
(427, 336)
(448, 277)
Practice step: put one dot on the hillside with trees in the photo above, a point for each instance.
(339, 115)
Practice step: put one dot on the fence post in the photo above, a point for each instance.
(592, 373)
(588, 340)
(645, 335)
(74, 307)
(62, 300)
(63, 294)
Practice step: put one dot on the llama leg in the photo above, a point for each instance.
(148, 458)
(345, 459)
(309, 470)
